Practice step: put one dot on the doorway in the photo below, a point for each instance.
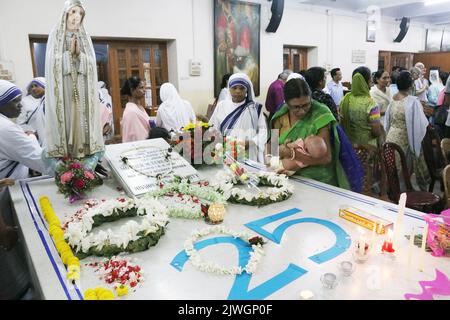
(148, 61)
(388, 59)
(118, 60)
(295, 58)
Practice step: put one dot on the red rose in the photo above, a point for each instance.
(79, 184)
(75, 166)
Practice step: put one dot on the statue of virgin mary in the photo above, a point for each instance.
(73, 125)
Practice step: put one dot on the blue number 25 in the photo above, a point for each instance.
(240, 291)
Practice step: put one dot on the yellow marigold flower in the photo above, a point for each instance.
(205, 125)
(122, 290)
(104, 294)
(189, 126)
(56, 232)
(73, 275)
(73, 261)
(65, 256)
(74, 268)
(90, 294)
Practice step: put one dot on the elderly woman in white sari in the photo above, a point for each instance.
(242, 117)
(406, 125)
(381, 92)
(174, 112)
(72, 101)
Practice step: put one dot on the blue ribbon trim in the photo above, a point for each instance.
(27, 193)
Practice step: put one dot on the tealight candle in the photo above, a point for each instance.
(306, 295)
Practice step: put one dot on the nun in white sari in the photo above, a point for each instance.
(72, 103)
(174, 112)
(32, 116)
(243, 120)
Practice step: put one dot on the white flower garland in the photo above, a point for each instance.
(226, 181)
(154, 216)
(211, 267)
(187, 199)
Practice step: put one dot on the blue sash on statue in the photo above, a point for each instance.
(229, 122)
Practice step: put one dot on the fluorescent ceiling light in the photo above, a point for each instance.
(433, 2)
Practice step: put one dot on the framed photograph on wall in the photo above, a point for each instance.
(446, 41)
(434, 40)
(236, 41)
(371, 31)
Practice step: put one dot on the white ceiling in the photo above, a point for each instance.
(438, 14)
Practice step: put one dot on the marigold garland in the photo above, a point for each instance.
(68, 258)
(98, 294)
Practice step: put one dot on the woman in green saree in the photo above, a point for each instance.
(360, 115)
(301, 117)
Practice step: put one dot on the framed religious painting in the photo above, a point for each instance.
(236, 41)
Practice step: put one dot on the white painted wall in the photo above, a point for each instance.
(172, 20)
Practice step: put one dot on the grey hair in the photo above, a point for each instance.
(415, 70)
(284, 75)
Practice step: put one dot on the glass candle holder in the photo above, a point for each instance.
(216, 213)
(329, 280)
(347, 268)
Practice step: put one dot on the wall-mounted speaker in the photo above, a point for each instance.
(277, 13)
(404, 27)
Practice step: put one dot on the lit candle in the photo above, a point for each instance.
(387, 245)
(422, 250)
(398, 227)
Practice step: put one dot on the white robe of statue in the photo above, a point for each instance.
(72, 104)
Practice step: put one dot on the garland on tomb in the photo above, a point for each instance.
(132, 237)
(187, 200)
(255, 242)
(280, 188)
(64, 250)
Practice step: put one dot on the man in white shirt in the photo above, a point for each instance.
(335, 87)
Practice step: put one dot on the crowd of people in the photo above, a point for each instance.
(316, 122)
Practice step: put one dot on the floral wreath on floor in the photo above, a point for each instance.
(255, 242)
(280, 188)
(187, 200)
(132, 237)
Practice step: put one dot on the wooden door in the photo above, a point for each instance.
(384, 61)
(147, 61)
(404, 60)
(295, 58)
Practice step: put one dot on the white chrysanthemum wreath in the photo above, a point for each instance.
(279, 188)
(255, 242)
(131, 237)
(187, 200)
